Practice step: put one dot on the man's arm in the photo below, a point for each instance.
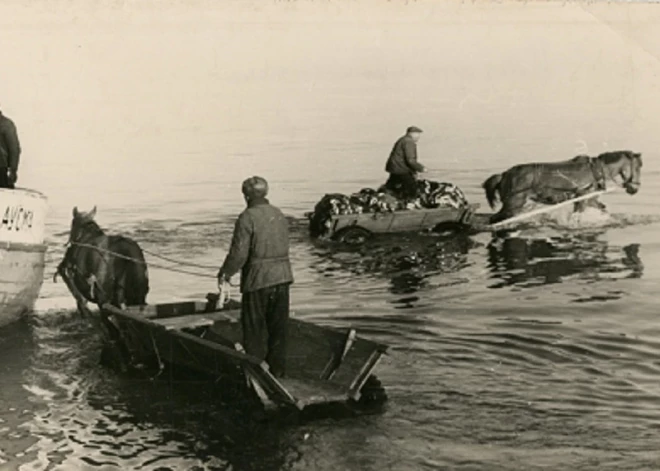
(240, 248)
(410, 154)
(10, 136)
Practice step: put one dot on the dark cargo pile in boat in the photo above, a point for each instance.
(431, 195)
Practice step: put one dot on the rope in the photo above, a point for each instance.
(224, 288)
(161, 365)
(180, 262)
(142, 262)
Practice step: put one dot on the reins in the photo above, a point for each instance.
(142, 262)
(223, 286)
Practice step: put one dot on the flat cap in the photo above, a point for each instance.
(413, 129)
(255, 187)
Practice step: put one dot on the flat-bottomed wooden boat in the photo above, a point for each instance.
(324, 365)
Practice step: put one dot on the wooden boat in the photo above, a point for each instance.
(22, 251)
(356, 228)
(323, 365)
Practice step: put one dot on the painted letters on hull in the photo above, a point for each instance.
(22, 216)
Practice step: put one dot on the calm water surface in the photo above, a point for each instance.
(539, 352)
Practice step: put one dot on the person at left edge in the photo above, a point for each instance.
(10, 152)
(260, 250)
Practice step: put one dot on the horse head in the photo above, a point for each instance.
(627, 165)
(81, 224)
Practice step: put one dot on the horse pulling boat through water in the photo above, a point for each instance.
(22, 251)
(554, 184)
(325, 366)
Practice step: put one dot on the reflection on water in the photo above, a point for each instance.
(81, 416)
(531, 262)
(415, 262)
(408, 261)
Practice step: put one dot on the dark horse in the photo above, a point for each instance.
(103, 269)
(552, 183)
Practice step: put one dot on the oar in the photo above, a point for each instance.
(547, 209)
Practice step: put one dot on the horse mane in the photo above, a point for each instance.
(615, 156)
(91, 227)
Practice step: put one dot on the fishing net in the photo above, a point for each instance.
(430, 195)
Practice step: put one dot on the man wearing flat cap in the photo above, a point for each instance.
(403, 166)
(260, 250)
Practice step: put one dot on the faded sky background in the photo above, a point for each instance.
(140, 98)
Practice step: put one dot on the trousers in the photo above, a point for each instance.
(4, 179)
(264, 318)
(403, 185)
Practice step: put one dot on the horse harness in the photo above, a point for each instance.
(70, 264)
(598, 170)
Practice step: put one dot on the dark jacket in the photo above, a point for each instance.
(10, 148)
(260, 248)
(403, 158)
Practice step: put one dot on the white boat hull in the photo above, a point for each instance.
(22, 251)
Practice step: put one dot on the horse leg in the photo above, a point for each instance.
(595, 203)
(580, 206)
(119, 288)
(120, 293)
(511, 206)
(115, 352)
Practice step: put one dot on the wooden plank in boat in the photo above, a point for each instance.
(310, 392)
(168, 310)
(193, 320)
(311, 349)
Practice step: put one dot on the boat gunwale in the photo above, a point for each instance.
(27, 191)
(213, 345)
(423, 212)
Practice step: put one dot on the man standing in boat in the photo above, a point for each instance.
(10, 152)
(403, 166)
(260, 250)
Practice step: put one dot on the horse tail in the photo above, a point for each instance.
(492, 188)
